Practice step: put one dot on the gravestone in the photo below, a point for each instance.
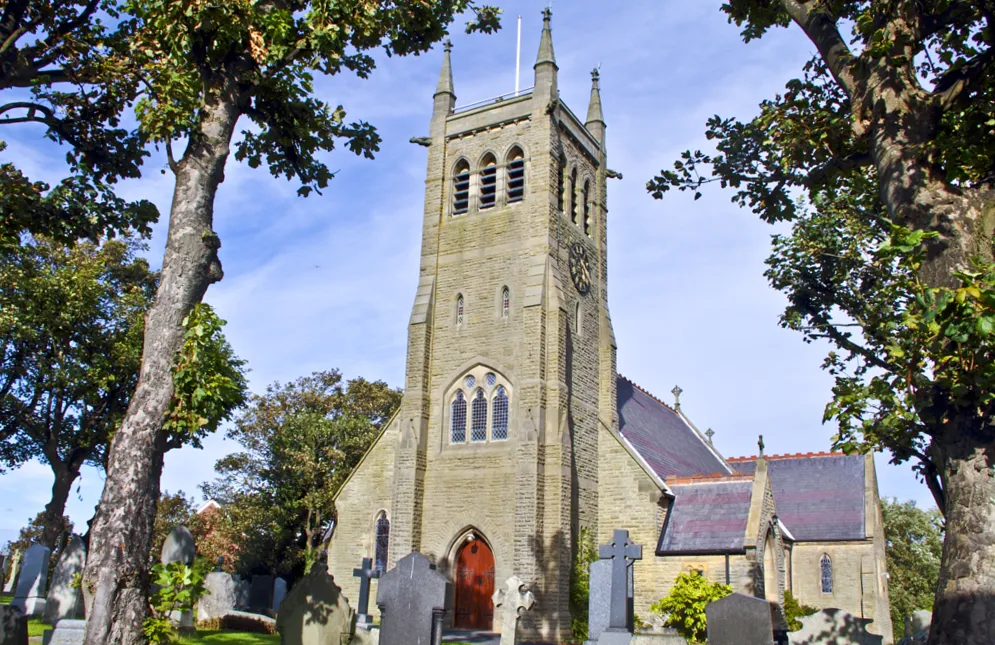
(671, 637)
(178, 547)
(65, 600)
(241, 593)
(31, 582)
(599, 598)
(739, 619)
(919, 622)
(620, 553)
(67, 631)
(13, 626)
(512, 602)
(413, 597)
(15, 564)
(365, 573)
(834, 627)
(279, 593)
(315, 611)
(3, 567)
(261, 593)
(220, 597)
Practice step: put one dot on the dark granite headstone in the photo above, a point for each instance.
(3, 565)
(261, 593)
(365, 573)
(32, 582)
(178, 547)
(621, 553)
(413, 598)
(739, 619)
(13, 626)
(65, 599)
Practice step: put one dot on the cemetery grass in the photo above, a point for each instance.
(226, 637)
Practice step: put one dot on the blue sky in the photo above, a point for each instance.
(328, 281)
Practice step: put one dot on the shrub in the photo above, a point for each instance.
(684, 607)
(793, 610)
(179, 588)
(580, 584)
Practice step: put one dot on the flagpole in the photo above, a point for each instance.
(518, 58)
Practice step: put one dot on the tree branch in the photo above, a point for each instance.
(844, 341)
(958, 83)
(821, 29)
(836, 166)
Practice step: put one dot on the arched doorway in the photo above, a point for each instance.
(474, 586)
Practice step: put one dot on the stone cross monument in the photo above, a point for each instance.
(511, 601)
(622, 553)
(365, 573)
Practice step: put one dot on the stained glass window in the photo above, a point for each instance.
(383, 541)
(478, 417)
(827, 574)
(491, 379)
(461, 189)
(459, 311)
(488, 183)
(505, 303)
(516, 175)
(457, 432)
(469, 381)
(499, 415)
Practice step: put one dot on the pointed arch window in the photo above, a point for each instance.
(505, 303)
(578, 317)
(488, 182)
(516, 175)
(457, 427)
(382, 542)
(826, 569)
(459, 310)
(585, 196)
(499, 415)
(478, 417)
(573, 196)
(461, 188)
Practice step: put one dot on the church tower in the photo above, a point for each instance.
(490, 467)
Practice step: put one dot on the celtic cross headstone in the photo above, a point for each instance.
(621, 552)
(512, 603)
(365, 573)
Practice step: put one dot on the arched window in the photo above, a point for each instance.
(461, 188)
(516, 175)
(382, 542)
(561, 180)
(578, 317)
(459, 310)
(488, 182)
(587, 208)
(478, 417)
(505, 303)
(457, 427)
(499, 415)
(573, 195)
(826, 566)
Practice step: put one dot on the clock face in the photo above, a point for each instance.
(580, 268)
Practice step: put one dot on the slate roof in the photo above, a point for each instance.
(662, 437)
(818, 496)
(707, 517)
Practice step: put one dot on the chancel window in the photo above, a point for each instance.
(382, 542)
(505, 302)
(826, 566)
(488, 182)
(478, 417)
(585, 196)
(573, 196)
(499, 415)
(461, 188)
(516, 175)
(457, 430)
(459, 311)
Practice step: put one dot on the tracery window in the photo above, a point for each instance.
(461, 188)
(488, 182)
(478, 417)
(459, 310)
(516, 175)
(826, 567)
(382, 542)
(457, 429)
(587, 208)
(573, 195)
(505, 303)
(499, 415)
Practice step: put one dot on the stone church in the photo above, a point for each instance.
(516, 430)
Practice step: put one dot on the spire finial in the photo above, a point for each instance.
(594, 112)
(445, 85)
(546, 54)
(677, 396)
(448, 45)
(760, 444)
(547, 15)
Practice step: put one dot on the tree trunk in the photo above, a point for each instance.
(964, 608)
(56, 508)
(116, 577)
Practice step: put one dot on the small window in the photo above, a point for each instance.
(382, 542)
(573, 195)
(461, 188)
(561, 180)
(585, 195)
(826, 565)
(478, 417)
(488, 183)
(516, 175)
(457, 427)
(578, 316)
(505, 303)
(499, 415)
(490, 379)
(459, 310)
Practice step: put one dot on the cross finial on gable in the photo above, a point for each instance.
(709, 433)
(760, 444)
(677, 396)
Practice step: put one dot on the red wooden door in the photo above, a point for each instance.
(474, 587)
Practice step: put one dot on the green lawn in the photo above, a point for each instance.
(230, 638)
(5, 599)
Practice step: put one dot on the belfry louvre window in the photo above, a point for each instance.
(461, 188)
(478, 417)
(488, 183)
(516, 176)
(826, 566)
(382, 542)
(499, 415)
(561, 180)
(585, 195)
(457, 431)
(573, 196)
